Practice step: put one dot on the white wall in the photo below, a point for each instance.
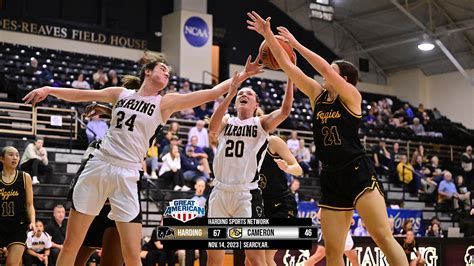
(70, 45)
(451, 93)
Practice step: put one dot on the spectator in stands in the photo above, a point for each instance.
(396, 154)
(407, 226)
(171, 169)
(420, 150)
(295, 190)
(467, 161)
(81, 83)
(410, 246)
(303, 156)
(199, 197)
(436, 169)
(166, 149)
(187, 114)
(100, 76)
(202, 112)
(38, 246)
(436, 114)
(427, 182)
(43, 74)
(421, 108)
(191, 167)
(382, 158)
(293, 142)
(35, 160)
(101, 83)
(185, 88)
(405, 173)
(369, 117)
(174, 128)
(171, 88)
(361, 230)
(417, 127)
(156, 253)
(425, 118)
(201, 133)
(200, 153)
(96, 128)
(217, 102)
(408, 111)
(152, 161)
(448, 193)
(164, 139)
(113, 79)
(434, 230)
(56, 228)
(463, 193)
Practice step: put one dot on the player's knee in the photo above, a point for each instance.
(382, 238)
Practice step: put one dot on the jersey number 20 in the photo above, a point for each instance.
(234, 148)
(129, 122)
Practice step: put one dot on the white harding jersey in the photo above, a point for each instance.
(240, 152)
(135, 120)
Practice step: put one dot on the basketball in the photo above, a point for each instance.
(267, 58)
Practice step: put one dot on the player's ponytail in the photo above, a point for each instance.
(131, 82)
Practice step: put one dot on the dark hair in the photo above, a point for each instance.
(149, 60)
(348, 70)
(4, 150)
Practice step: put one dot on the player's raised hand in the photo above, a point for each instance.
(282, 164)
(285, 33)
(234, 85)
(253, 68)
(258, 24)
(36, 95)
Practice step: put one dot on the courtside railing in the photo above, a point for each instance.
(24, 119)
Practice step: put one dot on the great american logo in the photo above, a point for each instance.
(184, 210)
(196, 31)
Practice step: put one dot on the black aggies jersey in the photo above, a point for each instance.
(336, 132)
(13, 199)
(272, 180)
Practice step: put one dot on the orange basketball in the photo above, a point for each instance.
(267, 58)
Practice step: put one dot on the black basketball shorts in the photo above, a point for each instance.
(341, 188)
(283, 207)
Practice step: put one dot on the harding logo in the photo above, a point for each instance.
(196, 31)
(469, 256)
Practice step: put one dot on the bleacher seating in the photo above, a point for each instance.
(65, 66)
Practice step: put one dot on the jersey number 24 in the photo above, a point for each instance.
(129, 122)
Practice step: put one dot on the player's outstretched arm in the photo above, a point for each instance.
(272, 120)
(174, 102)
(218, 119)
(288, 163)
(307, 85)
(348, 92)
(109, 95)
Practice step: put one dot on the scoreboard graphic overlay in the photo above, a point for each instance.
(237, 233)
